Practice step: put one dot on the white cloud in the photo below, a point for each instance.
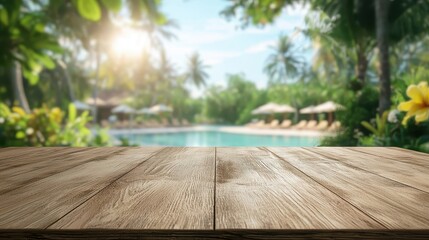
(260, 47)
(201, 37)
(220, 25)
(212, 58)
(213, 30)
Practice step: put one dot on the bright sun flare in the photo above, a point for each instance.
(130, 43)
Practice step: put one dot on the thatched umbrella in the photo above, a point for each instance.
(309, 110)
(159, 108)
(329, 107)
(271, 108)
(145, 111)
(81, 105)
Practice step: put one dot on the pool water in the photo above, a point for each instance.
(217, 138)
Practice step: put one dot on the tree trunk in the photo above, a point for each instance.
(97, 77)
(66, 77)
(382, 28)
(57, 87)
(362, 67)
(18, 87)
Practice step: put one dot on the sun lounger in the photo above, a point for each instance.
(300, 125)
(105, 124)
(286, 123)
(259, 124)
(117, 125)
(164, 122)
(274, 123)
(185, 122)
(141, 125)
(335, 126)
(311, 125)
(175, 122)
(251, 123)
(151, 123)
(322, 125)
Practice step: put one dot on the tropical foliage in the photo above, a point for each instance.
(283, 62)
(47, 127)
(410, 130)
(347, 36)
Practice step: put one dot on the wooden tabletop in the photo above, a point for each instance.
(162, 192)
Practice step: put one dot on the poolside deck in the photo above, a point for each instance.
(157, 192)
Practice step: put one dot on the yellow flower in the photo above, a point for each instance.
(56, 114)
(19, 111)
(418, 105)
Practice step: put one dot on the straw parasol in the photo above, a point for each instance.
(93, 101)
(160, 108)
(145, 111)
(284, 108)
(123, 109)
(81, 105)
(329, 107)
(268, 108)
(309, 110)
(271, 108)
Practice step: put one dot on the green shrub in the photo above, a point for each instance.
(361, 108)
(410, 130)
(47, 127)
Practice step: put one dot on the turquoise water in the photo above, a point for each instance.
(217, 138)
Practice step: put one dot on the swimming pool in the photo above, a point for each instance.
(216, 137)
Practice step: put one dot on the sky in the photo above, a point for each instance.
(224, 46)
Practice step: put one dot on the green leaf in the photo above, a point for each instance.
(423, 139)
(113, 5)
(161, 19)
(40, 27)
(368, 126)
(46, 61)
(72, 112)
(31, 77)
(89, 9)
(4, 17)
(20, 135)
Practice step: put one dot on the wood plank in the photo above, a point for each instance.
(393, 204)
(16, 156)
(257, 190)
(43, 165)
(11, 152)
(41, 203)
(173, 190)
(398, 154)
(115, 234)
(408, 174)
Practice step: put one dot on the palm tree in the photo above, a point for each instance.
(362, 25)
(196, 71)
(282, 62)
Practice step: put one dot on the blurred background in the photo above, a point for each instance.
(214, 73)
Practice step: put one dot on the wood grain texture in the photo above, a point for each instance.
(397, 154)
(43, 202)
(42, 164)
(15, 157)
(257, 190)
(393, 204)
(172, 190)
(115, 234)
(409, 174)
(208, 193)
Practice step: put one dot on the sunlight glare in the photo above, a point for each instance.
(130, 43)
